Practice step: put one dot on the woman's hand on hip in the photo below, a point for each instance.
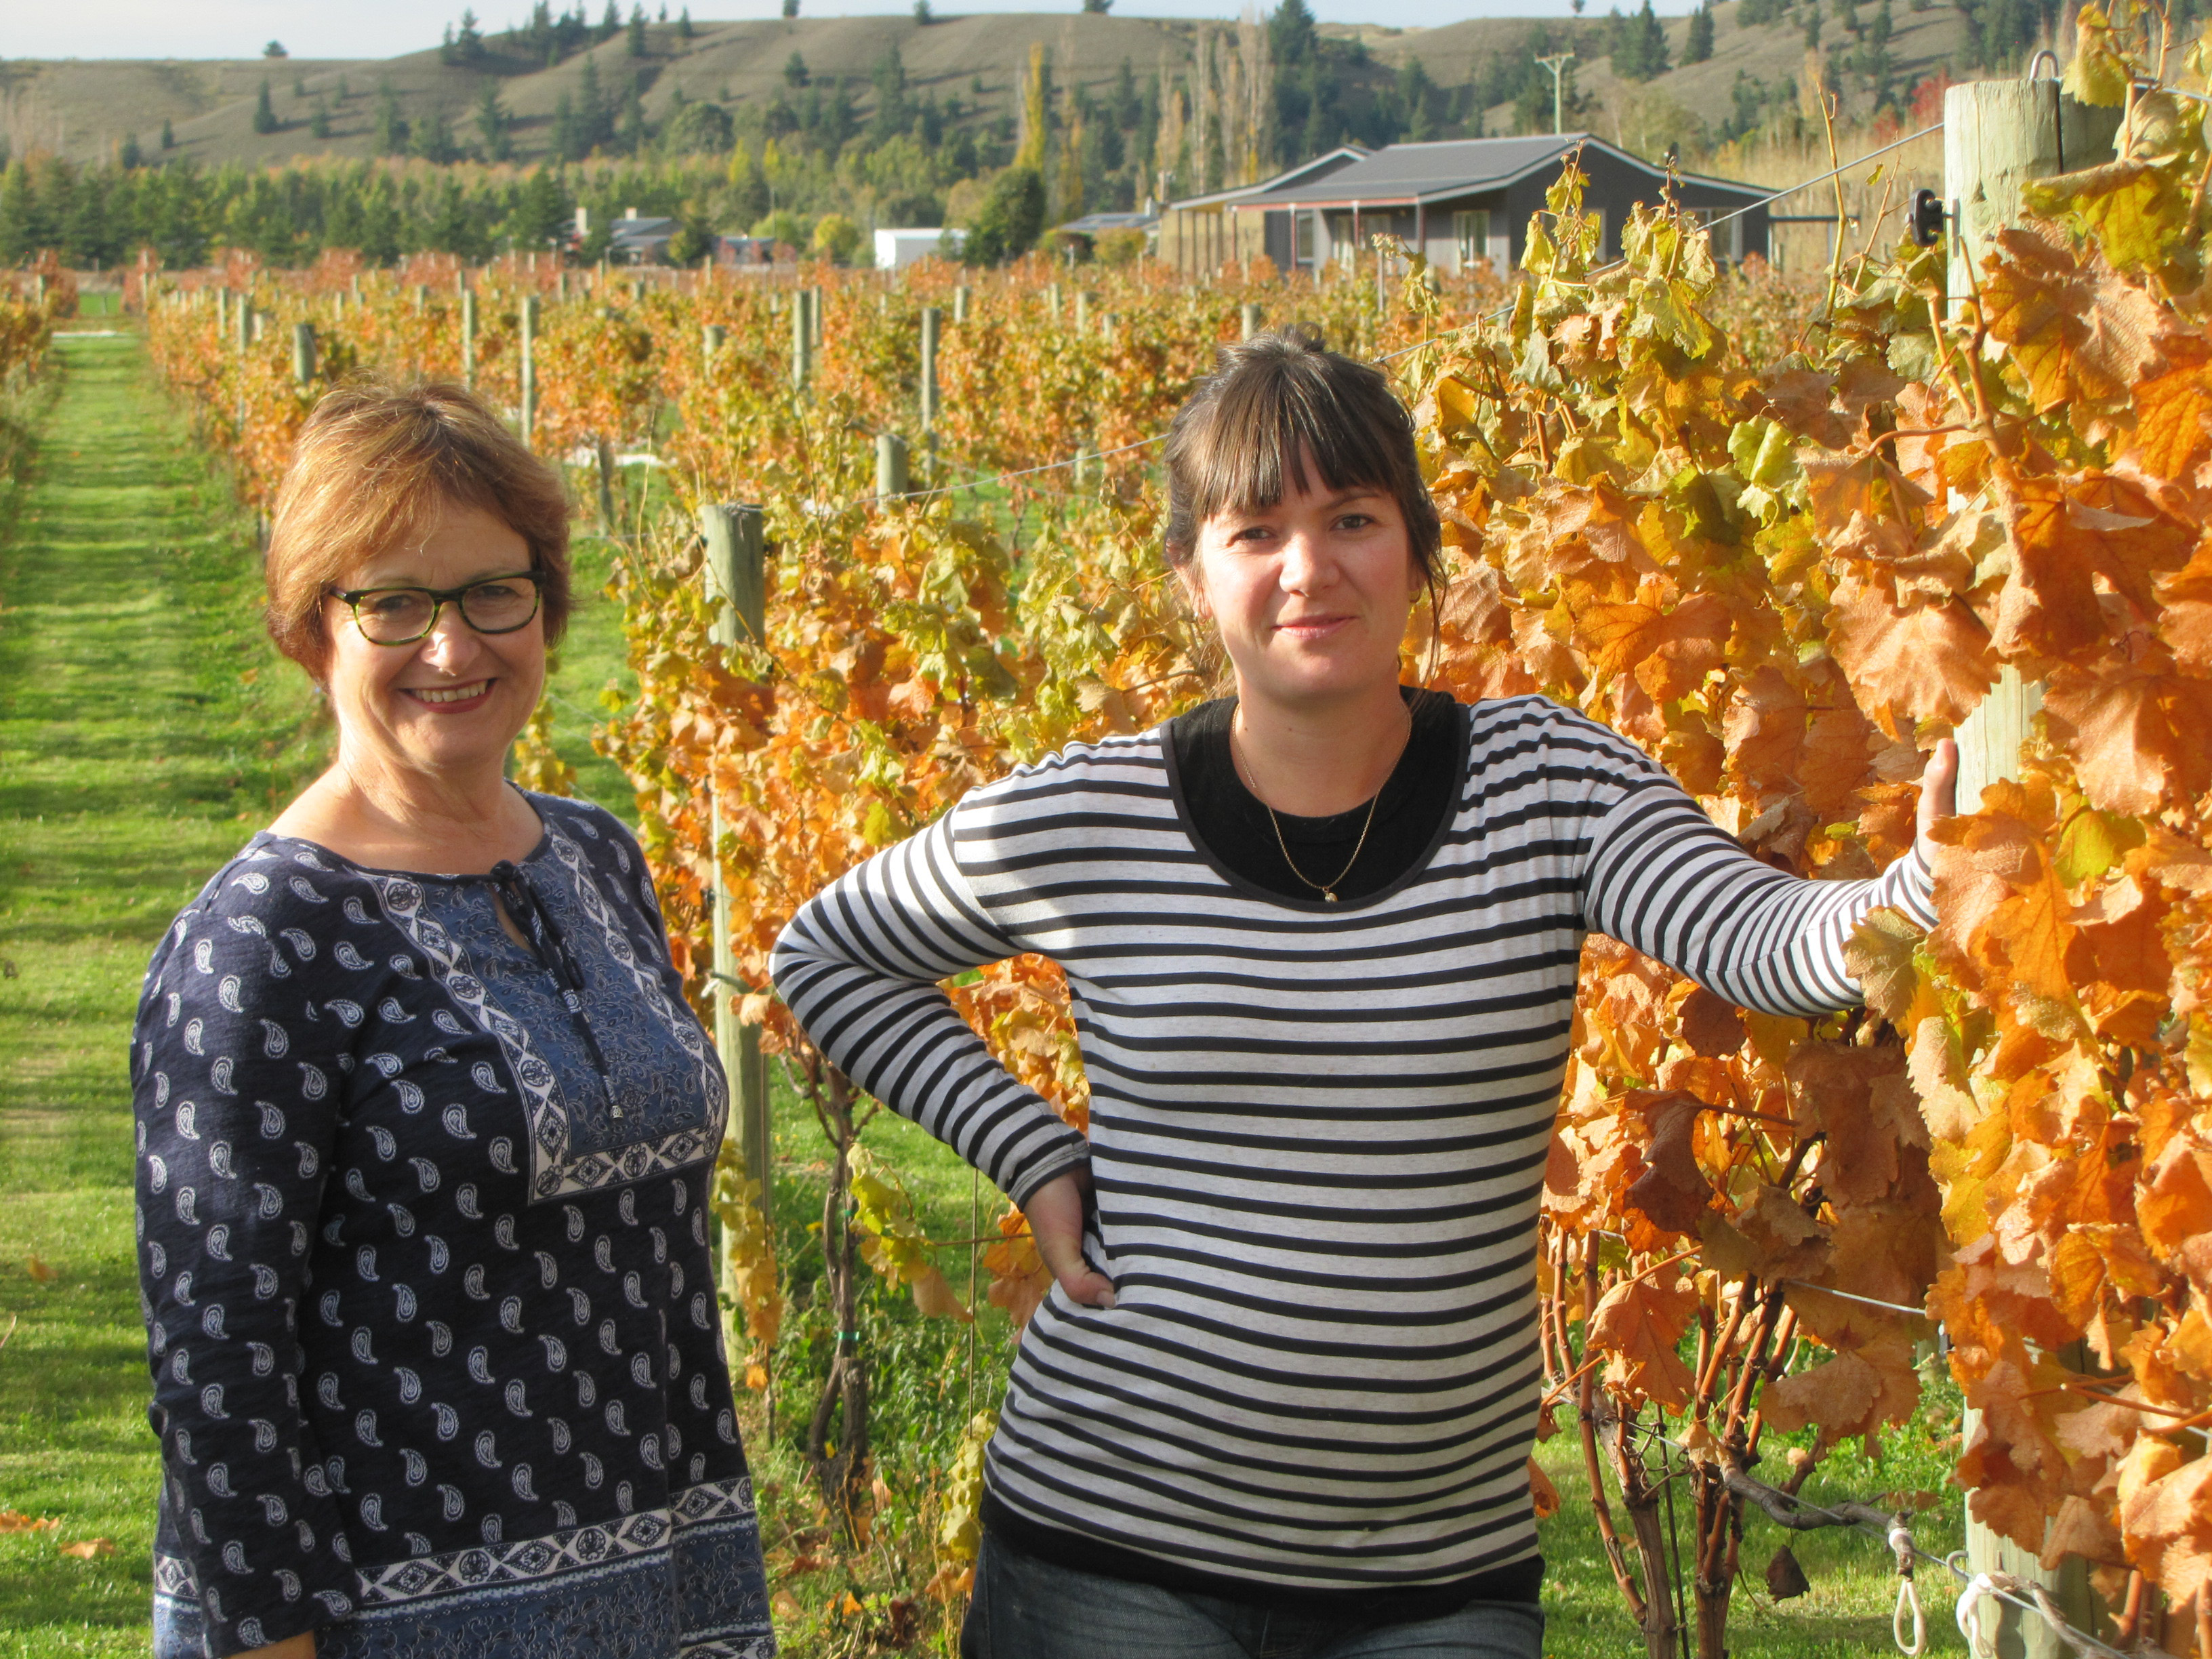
(1056, 1213)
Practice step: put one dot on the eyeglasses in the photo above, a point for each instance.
(401, 615)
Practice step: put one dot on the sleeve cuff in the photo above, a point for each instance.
(1073, 1155)
(1914, 886)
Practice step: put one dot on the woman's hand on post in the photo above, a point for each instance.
(1056, 1213)
(1939, 786)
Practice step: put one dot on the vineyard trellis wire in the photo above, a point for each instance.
(1783, 579)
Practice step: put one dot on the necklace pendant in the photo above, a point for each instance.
(1330, 896)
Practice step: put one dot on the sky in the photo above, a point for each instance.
(385, 28)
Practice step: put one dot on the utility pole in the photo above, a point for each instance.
(1557, 66)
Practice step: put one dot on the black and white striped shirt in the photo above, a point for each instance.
(1318, 1132)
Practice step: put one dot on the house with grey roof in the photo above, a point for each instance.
(1199, 234)
(1464, 200)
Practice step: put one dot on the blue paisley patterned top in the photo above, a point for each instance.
(423, 1234)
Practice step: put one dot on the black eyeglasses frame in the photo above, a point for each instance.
(439, 598)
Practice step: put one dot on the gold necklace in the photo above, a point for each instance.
(1326, 890)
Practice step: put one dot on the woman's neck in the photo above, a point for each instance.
(454, 822)
(1314, 760)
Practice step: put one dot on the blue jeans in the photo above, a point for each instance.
(1026, 1608)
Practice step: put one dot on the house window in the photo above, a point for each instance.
(1728, 238)
(1471, 236)
(1305, 222)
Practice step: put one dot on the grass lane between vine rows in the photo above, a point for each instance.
(146, 729)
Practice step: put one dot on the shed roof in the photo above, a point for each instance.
(1094, 224)
(1326, 165)
(1407, 173)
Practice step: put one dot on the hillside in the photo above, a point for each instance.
(1925, 42)
(211, 104)
(86, 107)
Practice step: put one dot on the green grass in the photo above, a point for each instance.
(144, 726)
(1854, 1589)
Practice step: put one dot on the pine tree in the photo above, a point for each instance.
(637, 31)
(568, 142)
(390, 125)
(320, 122)
(491, 124)
(168, 134)
(1654, 35)
(1292, 33)
(264, 112)
(433, 140)
(131, 158)
(683, 29)
(795, 71)
(593, 121)
(632, 137)
(1699, 45)
(609, 23)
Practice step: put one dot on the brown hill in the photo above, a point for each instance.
(86, 107)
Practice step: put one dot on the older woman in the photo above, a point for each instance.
(425, 1128)
(1322, 941)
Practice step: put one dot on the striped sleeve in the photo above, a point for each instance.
(1664, 877)
(860, 967)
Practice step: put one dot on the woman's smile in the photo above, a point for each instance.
(450, 699)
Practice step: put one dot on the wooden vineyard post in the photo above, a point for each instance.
(606, 469)
(529, 366)
(1997, 134)
(960, 303)
(245, 323)
(737, 590)
(469, 337)
(710, 343)
(1252, 320)
(1082, 314)
(802, 342)
(890, 467)
(303, 355)
(932, 327)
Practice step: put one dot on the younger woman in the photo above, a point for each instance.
(1321, 939)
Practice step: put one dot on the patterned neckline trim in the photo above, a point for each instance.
(537, 854)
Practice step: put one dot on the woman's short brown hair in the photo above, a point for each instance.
(1274, 403)
(374, 464)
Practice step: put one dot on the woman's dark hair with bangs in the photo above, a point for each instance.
(1272, 403)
